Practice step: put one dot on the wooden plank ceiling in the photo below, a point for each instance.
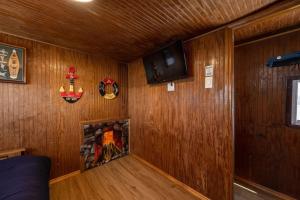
(121, 29)
(277, 23)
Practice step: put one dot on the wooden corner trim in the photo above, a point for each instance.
(171, 178)
(61, 178)
(264, 189)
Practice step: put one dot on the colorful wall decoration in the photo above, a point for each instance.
(12, 64)
(103, 142)
(102, 88)
(71, 96)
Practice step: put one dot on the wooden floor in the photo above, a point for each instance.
(122, 179)
(241, 193)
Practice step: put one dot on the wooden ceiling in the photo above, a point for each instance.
(277, 23)
(121, 29)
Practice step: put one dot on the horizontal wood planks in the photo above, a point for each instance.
(34, 116)
(267, 152)
(122, 29)
(188, 133)
(283, 21)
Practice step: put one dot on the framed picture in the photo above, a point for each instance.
(103, 141)
(12, 64)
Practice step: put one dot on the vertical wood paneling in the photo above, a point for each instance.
(188, 133)
(34, 116)
(266, 150)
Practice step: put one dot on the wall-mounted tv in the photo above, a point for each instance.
(166, 64)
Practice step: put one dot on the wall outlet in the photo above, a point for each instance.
(171, 87)
(208, 82)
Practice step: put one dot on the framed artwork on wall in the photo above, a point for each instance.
(103, 141)
(12, 63)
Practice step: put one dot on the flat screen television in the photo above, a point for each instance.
(166, 64)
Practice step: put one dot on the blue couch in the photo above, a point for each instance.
(24, 178)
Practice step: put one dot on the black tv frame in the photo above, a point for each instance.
(185, 63)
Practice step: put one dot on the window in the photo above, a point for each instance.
(293, 102)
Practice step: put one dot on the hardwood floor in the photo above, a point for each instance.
(243, 194)
(122, 179)
(244, 191)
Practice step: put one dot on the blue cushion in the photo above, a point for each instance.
(24, 178)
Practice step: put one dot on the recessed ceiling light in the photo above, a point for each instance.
(83, 1)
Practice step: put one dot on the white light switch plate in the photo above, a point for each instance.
(208, 82)
(171, 87)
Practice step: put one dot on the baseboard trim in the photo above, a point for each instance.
(171, 178)
(264, 189)
(61, 178)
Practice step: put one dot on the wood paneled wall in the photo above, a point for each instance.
(266, 150)
(188, 133)
(34, 116)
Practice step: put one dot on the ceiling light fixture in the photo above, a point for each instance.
(83, 1)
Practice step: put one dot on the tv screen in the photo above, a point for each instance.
(166, 64)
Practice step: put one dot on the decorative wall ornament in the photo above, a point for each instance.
(106, 82)
(12, 64)
(71, 96)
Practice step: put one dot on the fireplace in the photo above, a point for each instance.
(103, 141)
